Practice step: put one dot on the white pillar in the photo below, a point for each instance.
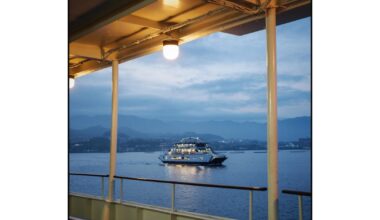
(113, 147)
(272, 143)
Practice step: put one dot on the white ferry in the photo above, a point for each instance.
(192, 151)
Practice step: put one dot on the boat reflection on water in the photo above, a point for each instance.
(189, 173)
(190, 169)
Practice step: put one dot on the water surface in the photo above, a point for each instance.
(246, 168)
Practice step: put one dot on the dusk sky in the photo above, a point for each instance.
(219, 77)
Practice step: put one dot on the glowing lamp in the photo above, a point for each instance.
(170, 49)
(71, 82)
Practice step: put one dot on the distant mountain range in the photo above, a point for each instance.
(137, 127)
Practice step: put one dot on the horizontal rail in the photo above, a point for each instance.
(253, 188)
(294, 192)
(89, 174)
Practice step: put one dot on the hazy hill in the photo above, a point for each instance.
(133, 126)
(82, 134)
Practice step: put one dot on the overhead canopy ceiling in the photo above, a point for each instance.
(103, 30)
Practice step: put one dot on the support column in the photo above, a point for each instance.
(113, 147)
(272, 143)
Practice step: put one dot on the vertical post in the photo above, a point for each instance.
(270, 20)
(103, 187)
(113, 188)
(250, 205)
(300, 214)
(115, 82)
(121, 190)
(173, 197)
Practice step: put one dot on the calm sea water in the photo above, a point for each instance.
(246, 168)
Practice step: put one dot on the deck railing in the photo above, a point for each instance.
(102, 176)
(299, 194)
(250, 189)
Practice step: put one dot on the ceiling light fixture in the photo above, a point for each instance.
(170, 49)
(71, 82)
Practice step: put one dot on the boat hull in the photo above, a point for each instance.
(194, 161)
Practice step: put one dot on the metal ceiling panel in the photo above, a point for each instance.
(283, 17)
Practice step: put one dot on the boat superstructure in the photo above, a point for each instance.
(192, 151)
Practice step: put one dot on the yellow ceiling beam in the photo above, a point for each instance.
(256, 2)
(132, 19)
(85, 50)
(88, 67)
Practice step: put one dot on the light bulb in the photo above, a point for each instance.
(170, 49)
(71, 83)
(172, 3)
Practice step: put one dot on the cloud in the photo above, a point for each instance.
(219, 75)
(241, 109)
(183, 76)
(294, 109)
(301, 85)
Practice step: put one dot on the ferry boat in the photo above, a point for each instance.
(192, 151)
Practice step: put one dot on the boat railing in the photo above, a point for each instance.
(299, 194)
(102, 176)
(250, 189)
